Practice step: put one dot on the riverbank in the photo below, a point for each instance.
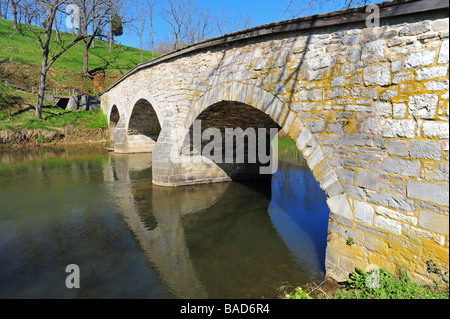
(35, 138)
(19, 128)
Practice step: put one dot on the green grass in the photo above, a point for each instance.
(52, 119)
(380, 284)
(20, 61)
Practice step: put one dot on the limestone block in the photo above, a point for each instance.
(435, 129)
(443, 53)
(399, 128)
(421, 58)
(415, 29)
(339, 205)
(423, 106)
(425, 149)
(388, 224)
(401, 167)
(431, 72)
(433, 221)
(398, 148)
(377, 74)
(364, 212)
(374, 49)
(429, 192)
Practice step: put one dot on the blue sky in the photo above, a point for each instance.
(260, 11)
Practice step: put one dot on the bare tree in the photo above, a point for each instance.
(142, 11)
(179, 14)
(225, 23)
(296, 8)
(4, 4)
(52, 46)
(14, 4)
(94, 15)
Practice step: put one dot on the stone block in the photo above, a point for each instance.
(399, 110)
(433, 221)
(394, 201)
(425, 149)
(373, 50)
(364, 212)
(377, 74)
(401, 167)
(393, 214)
(367, 179)
(428, 192)
(435, 129)
(443, 53)
(421, 58)
(399, 128)
(339, 205)
(423, 106)
(398, 148)
(388, 224)
(383, 109)
(415, 28)
(431, 72)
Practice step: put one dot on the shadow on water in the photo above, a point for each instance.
(135, 240)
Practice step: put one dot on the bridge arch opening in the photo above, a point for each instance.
(295, 195)
(143, 127)
(144, 120)
(232, 135)
(114, 117)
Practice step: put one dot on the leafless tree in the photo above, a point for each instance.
(4, 5)
(94, 16)
(225, 23)
(143, 18)
(49, 39)
(179, 15)
(296, 8)
(14, 4)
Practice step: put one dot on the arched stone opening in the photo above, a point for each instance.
(114, 117)
(143, 128)
(235, 136)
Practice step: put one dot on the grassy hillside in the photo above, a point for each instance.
(20, 61)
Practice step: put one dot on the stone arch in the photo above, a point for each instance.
(339, 203)
(145, 95)
(143, 125)
(114, 117)
(289, 122)
(144, 120)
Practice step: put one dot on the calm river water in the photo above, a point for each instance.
(130, 239)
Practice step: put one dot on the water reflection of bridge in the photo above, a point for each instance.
(201, 240)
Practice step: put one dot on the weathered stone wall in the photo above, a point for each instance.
(368, 108)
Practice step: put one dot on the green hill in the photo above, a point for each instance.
(20, 61)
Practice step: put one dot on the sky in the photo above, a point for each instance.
(260, 11)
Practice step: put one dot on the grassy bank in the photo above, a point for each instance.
(20, 61)
(20, 128)
(375, 284)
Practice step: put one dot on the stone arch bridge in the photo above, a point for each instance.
(366, 105)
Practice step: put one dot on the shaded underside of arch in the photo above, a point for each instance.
(144, 120)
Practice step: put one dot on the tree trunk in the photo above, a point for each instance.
(86, 57)
(140, 43)
(42, 78)
(14, 10)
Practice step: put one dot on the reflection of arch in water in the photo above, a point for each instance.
(299, 207)
(164, 244)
